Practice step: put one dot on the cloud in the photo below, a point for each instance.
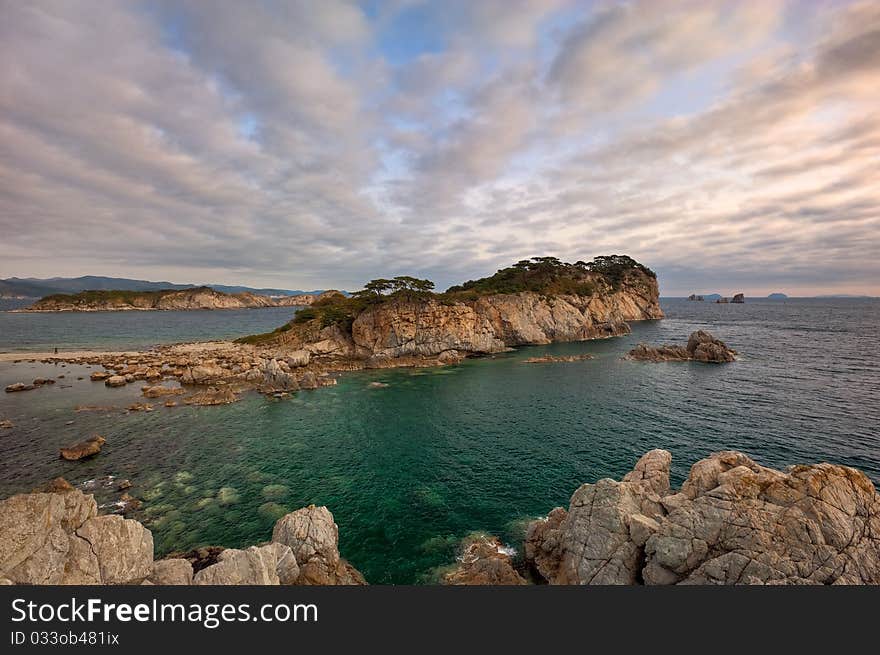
(275, 143)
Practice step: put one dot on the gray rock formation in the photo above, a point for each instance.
(172, 572)
(732, 522)
(701, 347)
(58, 538)
(271, 564)
(313, 537)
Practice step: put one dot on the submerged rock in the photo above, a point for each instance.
(545, 359)
(701, 347)
(87, 448)
(158, 391)
(19, 386)
(732, 522)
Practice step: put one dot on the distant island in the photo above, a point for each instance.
(23, 288)
(777, 296)
(167, 299)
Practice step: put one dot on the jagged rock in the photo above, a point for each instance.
(309, 381)
(172, 572)
(19, 386)
(484, 561)
(701, 347)
(313, 537)
(87, 448)
(265, 565)
(732, 522)
(738, 298)
(199, 558)
(276, 378)
(116, 381)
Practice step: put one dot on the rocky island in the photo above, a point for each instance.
(401, 322)
(701, 347)
(167, 299)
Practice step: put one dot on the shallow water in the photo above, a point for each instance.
(410, 469)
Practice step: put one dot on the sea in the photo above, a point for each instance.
(412, 468)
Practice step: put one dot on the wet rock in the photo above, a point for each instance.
(276, 378)
(140, 407)
(19, 386)
(172, 572)
(158, 391)
(484, 561)
(556, 358)
(738, 298)
(309, 380)
(701, 347)
(39, 382)
(98, 376)
(58, 485)
(116, 381)
(87, 448)
(6, 424)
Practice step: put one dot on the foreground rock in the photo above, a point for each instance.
(313, 537)
(732, 522)
(87, 448)
(484, 561)
(701, 347)
(59, 538)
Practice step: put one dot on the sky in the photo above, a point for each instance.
(730, 146)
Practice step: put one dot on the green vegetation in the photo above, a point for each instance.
(111, 296)
(542, 275)
(257, 339)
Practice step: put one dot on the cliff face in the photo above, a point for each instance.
(494, 323)
(439, 328)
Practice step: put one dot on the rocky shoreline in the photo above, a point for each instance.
(58, 538)
(732, 522)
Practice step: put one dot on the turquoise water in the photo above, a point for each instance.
(410, 469)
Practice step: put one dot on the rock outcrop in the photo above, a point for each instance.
(313, 537)
(484, 561)
(738, 298)
(86, 448)
(59, 538)
(732, 522)
(701, 347)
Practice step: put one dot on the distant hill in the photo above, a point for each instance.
(15, 287)
(777, 296)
